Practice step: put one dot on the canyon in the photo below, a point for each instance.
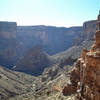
(36, 62)
(57, 42)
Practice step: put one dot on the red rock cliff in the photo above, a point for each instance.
(85, 77)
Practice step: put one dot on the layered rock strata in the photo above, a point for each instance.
(8, 44)
(85, 77)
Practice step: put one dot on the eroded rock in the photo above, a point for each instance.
(85, 77)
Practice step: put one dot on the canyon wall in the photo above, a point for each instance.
(8, 55)
(52, 39)
(85, 77)
(16, 41)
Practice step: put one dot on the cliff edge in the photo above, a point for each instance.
(85, 77)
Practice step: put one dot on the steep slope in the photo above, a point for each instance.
(84, 40)
(89, 29)
(52, 39)
(34, 61)
(8, 43)
(85, 77)
(48, 86)
(73, 53)
(14, 83)
(87, 34)
(52, 81)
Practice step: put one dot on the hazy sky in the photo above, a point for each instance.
(49, 12)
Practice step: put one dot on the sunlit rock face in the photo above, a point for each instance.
(89, 87)
(86, 73)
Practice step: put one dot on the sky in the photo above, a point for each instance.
(65, 13)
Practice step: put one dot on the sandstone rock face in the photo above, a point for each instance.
(86, 73)
(69, 89)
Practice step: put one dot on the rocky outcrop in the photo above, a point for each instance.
(86, 73)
